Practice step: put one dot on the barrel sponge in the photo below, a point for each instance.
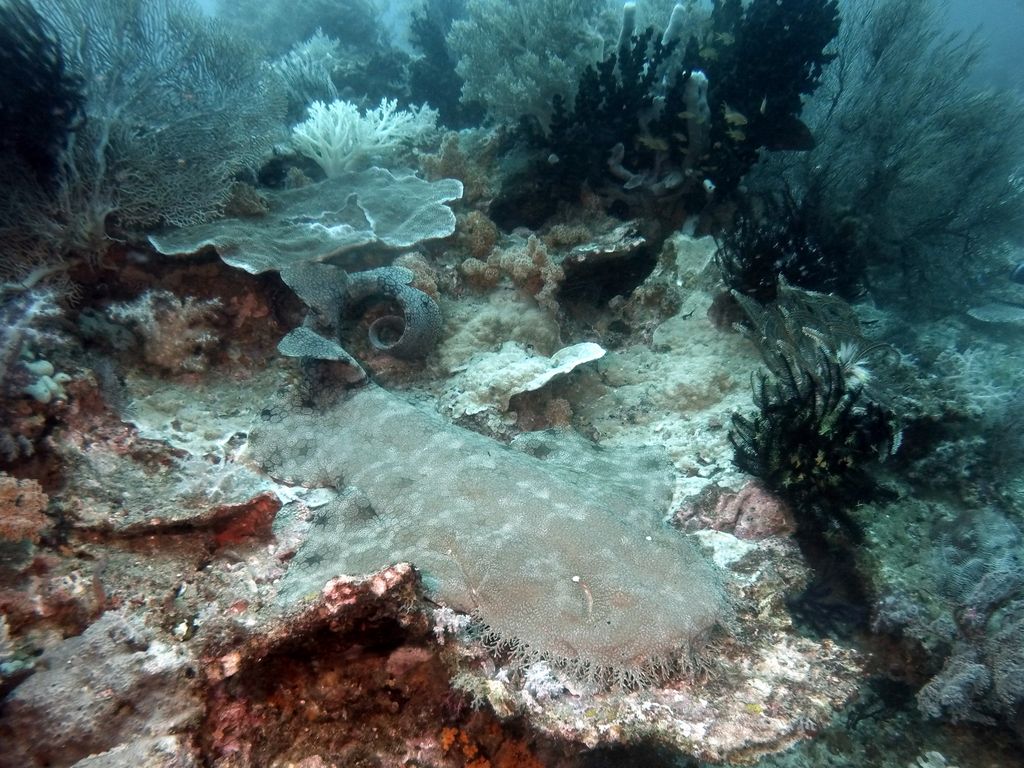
(558, 551)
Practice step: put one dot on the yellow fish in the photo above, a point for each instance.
(656, 143)
(732, 117)
(736, 134)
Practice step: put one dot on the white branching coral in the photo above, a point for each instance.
(339, 138)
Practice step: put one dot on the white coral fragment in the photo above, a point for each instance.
(491, 379)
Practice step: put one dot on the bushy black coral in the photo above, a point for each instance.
(762, 61)
(812, 435)
(757, 63)
(793, 243)
(924, 158)
(820, 429)
(432, 76)
(610, 101)
(42, 101)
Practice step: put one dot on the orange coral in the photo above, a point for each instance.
(425, 278)
(477, 234)
(479, 274)
(510, 753)
(448, 737)
(515, 754)
(567, 235)
(531, 269)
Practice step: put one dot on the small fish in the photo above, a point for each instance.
(1017, 275)
(736, 134)
(732, 117)
(687, 115)
(709, 53)
(725, 38)
(764, 104)
(656, 143)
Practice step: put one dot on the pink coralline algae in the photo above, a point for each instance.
(752, 513)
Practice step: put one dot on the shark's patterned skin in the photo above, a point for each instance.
(560, 551)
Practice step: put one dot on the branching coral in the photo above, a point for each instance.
(340, 138)
(976, 586)
(307, 71)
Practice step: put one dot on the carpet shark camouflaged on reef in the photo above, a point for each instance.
(563, 558)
